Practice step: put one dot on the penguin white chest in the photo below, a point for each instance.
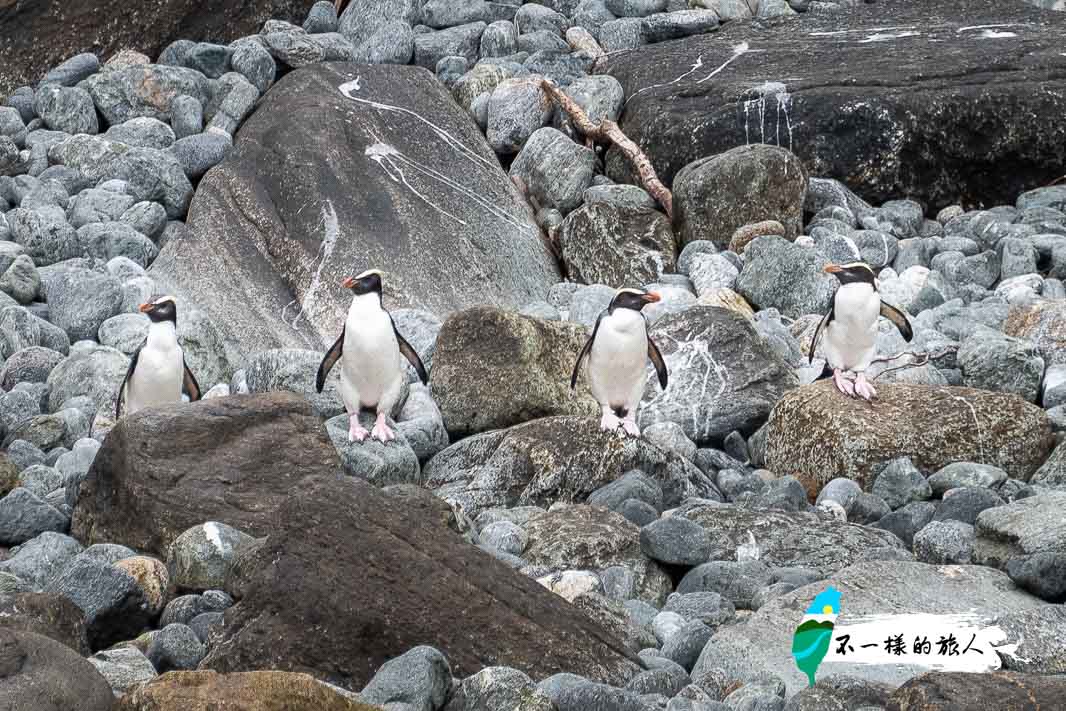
(370, 364)
(850, 338)
(157, 379)
(617, 361)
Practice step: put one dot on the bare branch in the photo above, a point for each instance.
(920, 359)
(610, 131)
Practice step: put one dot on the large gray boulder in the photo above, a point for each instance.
(899, 137)
(783, 275)
(722, 375)
(277, 227)
(553, 459)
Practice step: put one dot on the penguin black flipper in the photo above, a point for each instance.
(818, 331)
(328, 361)
(896, 316)
(188, 382)
(126, 380)
(585, 351)
(410, 354)
(657, 360)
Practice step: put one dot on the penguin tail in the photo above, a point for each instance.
(827, 372)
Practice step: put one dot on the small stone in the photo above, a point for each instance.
(187, 115)
(555, 170)
(67, 109)
(908, 520)
(505, 536)
(900, 483)
(960, 474)
(945, 543)
(123, 668)
(201, 556)
(675, 541)
(23, 516)
(321, 18)
(175, 647)
(198, 154)
(420, 678)
(966, 503)
(142, 132)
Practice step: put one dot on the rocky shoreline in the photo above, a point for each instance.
(503, 552)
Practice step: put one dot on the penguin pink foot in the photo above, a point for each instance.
(609, 422)
(382, 431)
(863, 388)
(356, 432)
(630, 427)
(843, 384)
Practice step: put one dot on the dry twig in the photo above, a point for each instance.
(920, 359)
(610, 131)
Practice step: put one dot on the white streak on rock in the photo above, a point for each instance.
(738, 51)
(391, 161)
(696, 65)
(214, 536)
(331, 234)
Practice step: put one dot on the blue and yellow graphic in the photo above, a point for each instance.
(815, 633)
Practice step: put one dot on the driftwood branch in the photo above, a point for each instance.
(919, 359)
(610, 131)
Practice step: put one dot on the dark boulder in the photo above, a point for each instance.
(47, 614)
(233, 460)
(349, 578)
(389, 173)
(953, 691)
(41, 674)
(942, 78)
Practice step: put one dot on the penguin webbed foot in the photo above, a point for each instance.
(382, 432)
(609, 422)
(630, 428)
(843, 383)
(356, 432)
(863, 387)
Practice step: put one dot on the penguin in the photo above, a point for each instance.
(850, 327)
(158, 373)
(618, 350)
(369, 349)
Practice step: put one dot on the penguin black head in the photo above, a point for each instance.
(160, 310)
(369, 282)
(634, 299)
(853, 273)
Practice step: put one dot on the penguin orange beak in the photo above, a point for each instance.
(832, 269)
(348, 283)
(651, 297)
(144, 308)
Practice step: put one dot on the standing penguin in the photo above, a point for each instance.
(371, 374)
(618, 350)
(157, 374)
(851, 327)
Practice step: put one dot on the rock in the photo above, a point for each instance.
(480, 349)
(504, 536)
(785, 538)
(631, 485)
(150, 174)
(21, 280)
(995, 362)
(393, 43)
(462, 41)
(147, 218)
(685, 645)
(715, 196)
(552, 459)
(29, 365)
(239, 100)
(593, 539)
(498, 689)
(80, 300)
(966, 503)
(200, 558)
(675, 541)
(115, 606)
(124, 668)
(900, 483)
(39, 559)
(46, 236)
(945, 543)
(339, 505)
(908, 520)
(292, 370)
(738, 106)
(380, 464)
(133, 491)
(1026, 527)
(67, 109)
(255, 63)
(142, 132)
(421, 424)
(321, 18)
(117, 239)
(516, 109)
(420, 678)
(298, 304)
(202, 152)
(940, 691)
(763, 643)
(95, 205)
(175, 647)
(250, 691)
(736, 581)
(46, 614)
(35, 663)
(1043, 323)
(570, 692)
(555, 170)
(786, 277)
(603, 243)
(697, 342)
(932, 425)
(1040, 574)
(707, 607)
(24, 515)
(187, 114)
(959, 474)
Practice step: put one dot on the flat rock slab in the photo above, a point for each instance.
(391, 174)
(1036, 524)
(955, 691)
(787, 538)
(248, 691)
(886, 97)
(817, 434)
(552, 459)
(764, 641)
(349, 579)
(233, 460)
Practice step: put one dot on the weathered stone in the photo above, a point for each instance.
(608, 244)
(946, 691)
(44, 675)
